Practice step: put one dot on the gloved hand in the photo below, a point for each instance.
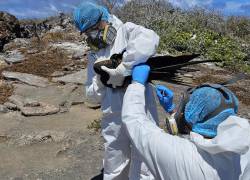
(140, 73)
(116, 76)
(165, 97)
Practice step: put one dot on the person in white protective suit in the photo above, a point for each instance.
(108, 35)
(216, 144)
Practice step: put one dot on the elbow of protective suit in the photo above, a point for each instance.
(142, 44)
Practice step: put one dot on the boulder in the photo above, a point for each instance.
(9, 28)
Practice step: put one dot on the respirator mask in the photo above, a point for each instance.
(101, 38)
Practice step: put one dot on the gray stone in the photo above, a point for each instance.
(56, 29)
(31, 104)
(92, 105)
(16, 43)
(17, 100)
(3, 109)
(39, 137)
(31, 107)
(26, 78)
(71, 47)
(13, 57)
(21, 41)
(78, 96)
(78, 55)
(76, 78)
(188, 75)
(210, 65)
(57, 74)
(11, 106)
(32, 51)
(68, 68)
(21, 101)
(59, 96)
(2, 61)
(65, 106)
(41, 110)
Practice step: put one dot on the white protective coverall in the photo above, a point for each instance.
(140, 43)
(175, 158)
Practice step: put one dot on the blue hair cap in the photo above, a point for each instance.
(204, 101)
(87, 14)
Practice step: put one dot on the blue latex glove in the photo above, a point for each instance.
(165, 97)
(140, 73)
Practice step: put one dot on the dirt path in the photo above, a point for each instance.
(56, 147)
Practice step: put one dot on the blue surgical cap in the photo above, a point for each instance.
(204, 101)
(88, 14)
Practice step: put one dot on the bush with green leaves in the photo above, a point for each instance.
(194, 31)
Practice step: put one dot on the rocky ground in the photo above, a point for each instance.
(47, 129)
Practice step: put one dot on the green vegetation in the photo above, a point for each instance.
(95, 125)
(195, 31)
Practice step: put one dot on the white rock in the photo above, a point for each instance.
(26, 78)
(70, 47)
(76, 78)
(14, 57)
(56, 29)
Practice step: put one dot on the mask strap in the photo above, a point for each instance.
(172, 125)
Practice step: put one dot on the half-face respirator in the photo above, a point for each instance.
(101, 38)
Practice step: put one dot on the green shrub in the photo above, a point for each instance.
(194, 31)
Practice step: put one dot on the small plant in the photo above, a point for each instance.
(95, 125)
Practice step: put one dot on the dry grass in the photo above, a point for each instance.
(43, 42)
(41, 64)
(5, 92)
(241, 88)
(242, 93)
(59, 37)
(216, 79)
